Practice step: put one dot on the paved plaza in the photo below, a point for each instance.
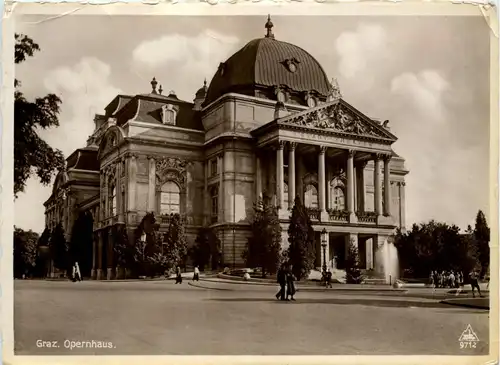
(162, 318)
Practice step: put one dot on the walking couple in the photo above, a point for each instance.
(286, 280)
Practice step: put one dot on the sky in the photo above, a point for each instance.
(428, 75)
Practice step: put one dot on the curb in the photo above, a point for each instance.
(309, 287)
(465, 305)
(207, 288)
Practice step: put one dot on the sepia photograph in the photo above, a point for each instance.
(260, 183)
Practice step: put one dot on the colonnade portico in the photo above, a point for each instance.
(354, 171)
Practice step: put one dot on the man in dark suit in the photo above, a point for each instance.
(281, 276)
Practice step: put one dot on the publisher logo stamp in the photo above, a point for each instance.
(468, 339)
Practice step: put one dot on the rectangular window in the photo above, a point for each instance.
(214, 196)
(213, 167)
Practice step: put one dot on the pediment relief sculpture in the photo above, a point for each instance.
(338, 118)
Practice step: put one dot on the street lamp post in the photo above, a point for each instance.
(323, 244)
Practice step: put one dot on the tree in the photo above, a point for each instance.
(25, 251)
(482, 238)
(264, 245)
(31, 153)
(42, 264)
(433, 246)
(302, 252)
(44, 239)
(59, 248)
(207, 249)
(80, 246)
(175, 242)
(353, 273)
(124, 251)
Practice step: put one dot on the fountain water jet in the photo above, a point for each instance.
(387, 261)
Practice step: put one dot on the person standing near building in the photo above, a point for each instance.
(77, 271)
(290, 283)
(474, 283)
(196, 276)
(281, 279)
(328, 278)
(178, 276)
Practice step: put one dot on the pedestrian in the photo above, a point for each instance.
(328, 278)
(77, 272)
(452, 279)
(290, 283)
(474, 283)
(431, 279)
(281, 279)
(196, 276)
(178, 276)
(436, 279)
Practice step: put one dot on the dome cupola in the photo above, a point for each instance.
(271, 69)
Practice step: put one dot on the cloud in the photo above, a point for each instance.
(424, 90)
(173, 57)
(85, 89)
(446, 176)
(358, 50)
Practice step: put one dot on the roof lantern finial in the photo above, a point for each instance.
(205, 82)
(269, 26)
(160, 90)
(153, 85)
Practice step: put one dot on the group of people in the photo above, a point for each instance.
(178, 274)
(446, 279)
(286, 281)
(452, 279)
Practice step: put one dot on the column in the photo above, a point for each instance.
(321, 181)
(119, 189)
(132, 182)
(299, 190)
(280, 183)
(350, 182)
(99, 256)
(221, 188)
(376, 184)
(369, 253)
(360, 170)
(152, 184)
(387, 185)
(258, 178)
(94, 258)
(402, 206)
(109, 246)
(206, 197)
(291, 174)
(106, 200)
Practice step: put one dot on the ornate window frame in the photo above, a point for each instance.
(171, 169)
(169, 114)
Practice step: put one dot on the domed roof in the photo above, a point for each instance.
(267, 63)
(202, 91)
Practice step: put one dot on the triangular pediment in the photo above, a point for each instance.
(340, 117)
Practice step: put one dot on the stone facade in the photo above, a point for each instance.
(210, 163)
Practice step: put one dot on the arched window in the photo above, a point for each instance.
(311, 196)
(170, 198)
(168, 114)
(338, 198)
(112, 200)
